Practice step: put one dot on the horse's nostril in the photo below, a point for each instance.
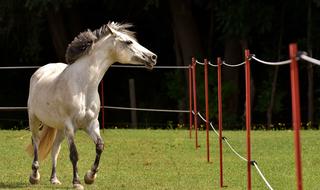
(153, 57)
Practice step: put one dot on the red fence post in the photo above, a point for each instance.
(190, 100)
(207, 107)
(296, 120)
(220, 119)
(102, 102)
(248, 113)
(195, 100)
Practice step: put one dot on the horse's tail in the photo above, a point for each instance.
(47, 137)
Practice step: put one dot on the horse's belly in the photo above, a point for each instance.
(50, 120)
(46, 111)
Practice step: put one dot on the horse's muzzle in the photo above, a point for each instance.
(151, 62)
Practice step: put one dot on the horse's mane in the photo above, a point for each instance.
(83, 43)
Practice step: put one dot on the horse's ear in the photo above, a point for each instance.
(110, 29)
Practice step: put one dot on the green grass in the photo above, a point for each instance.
(166, 159)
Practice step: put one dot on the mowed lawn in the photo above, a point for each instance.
(166, 159)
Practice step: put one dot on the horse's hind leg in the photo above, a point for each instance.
(54, 156)
(34, 124)
(94, 133)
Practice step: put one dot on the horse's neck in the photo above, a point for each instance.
(89, 71)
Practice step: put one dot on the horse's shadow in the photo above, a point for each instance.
(21, 185)
(13, 185)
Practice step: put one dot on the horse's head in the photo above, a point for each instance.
(117, 40)
(126, 48)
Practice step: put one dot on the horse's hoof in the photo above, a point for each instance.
(55, 181)
(78, 186)
(89, 177)
(34, 179)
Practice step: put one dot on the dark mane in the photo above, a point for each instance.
(83, 43)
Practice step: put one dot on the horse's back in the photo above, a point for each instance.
(48, 72)
(44, 78)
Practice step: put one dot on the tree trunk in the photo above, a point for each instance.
(211, 25)
(132, 95)
(186, 35)
(233, 55)
(186, 39)
(272, 97)
(58, 33)
(275, 75)
(244, 45)
(310, 67)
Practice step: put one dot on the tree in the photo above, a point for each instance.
(276, 71)
(186, 37)
(57, 18)
(310, 65)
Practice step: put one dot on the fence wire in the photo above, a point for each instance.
(200, 63)
(253, 56)
(254, 163)
(212, 65)
(13, 108)
(261, 174)
(145, 109)
(114, 66)
(233, 150)
(155, 67)
(236, 65)
(215, 131)
(305, 57)
(20, 67)
(209, 63)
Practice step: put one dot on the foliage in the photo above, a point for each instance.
(317, 2)
(151, 3)
(263, 98)
(44, 5)
(174, 86)
(19, 33)
(26, 39)
(235, 18)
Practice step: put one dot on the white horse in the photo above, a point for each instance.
(64, 97)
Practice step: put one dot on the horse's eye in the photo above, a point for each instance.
(129, 42)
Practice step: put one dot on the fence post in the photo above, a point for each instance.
(207, 107)
(102, 102)
(220, 120)
(133, 104)
(296, 120)
(190, 101)
(195, 100)
(248, 114)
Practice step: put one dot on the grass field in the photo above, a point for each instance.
(167, 160)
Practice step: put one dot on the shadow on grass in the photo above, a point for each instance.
(20, 185)
(13, 185)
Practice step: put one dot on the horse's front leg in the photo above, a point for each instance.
(94, 132)
(69, 132)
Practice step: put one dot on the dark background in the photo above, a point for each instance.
(36, 32)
